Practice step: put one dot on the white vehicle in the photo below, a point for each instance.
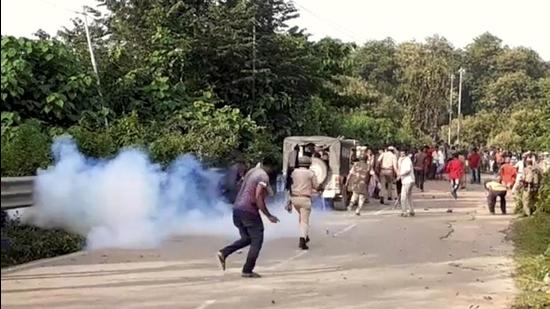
(331, 163)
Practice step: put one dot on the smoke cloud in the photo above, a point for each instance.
(130, 202)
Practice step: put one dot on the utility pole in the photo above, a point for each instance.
(90, 48)
(450, 109)
(94, 64)
(461, 73)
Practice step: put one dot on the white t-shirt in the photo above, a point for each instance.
(406, 173)
(441, 157)
(435, 158)
(519, 166)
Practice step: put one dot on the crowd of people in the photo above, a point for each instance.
(373, 175)
(406, 169)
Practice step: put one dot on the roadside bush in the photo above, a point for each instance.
(532, 239)
(25, 148)
(28, 243)
(128, 131)
(98, 144)
(262, 147)
(210, 133)
(532, 255)
(168, 146)
(377, 132)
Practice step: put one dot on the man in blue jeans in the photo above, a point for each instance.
(246, 217)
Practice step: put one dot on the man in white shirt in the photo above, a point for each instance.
(406, 174)
(520, 166)
(440, 162)
(388, 172)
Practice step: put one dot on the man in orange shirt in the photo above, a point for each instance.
(508, 173)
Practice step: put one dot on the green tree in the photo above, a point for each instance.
(480, 59)
(521, 59)
(424, 81)
(44, 79)
(376, 62)
(509, 90)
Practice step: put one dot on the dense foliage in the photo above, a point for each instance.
(27, 243)
(532, 239)
(211, 77)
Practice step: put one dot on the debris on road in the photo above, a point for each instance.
(449, 233)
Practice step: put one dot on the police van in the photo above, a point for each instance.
(332, 159)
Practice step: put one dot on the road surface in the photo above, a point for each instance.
(379, 260)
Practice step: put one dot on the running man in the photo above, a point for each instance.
(246, 217)
(455, 170)
(304, 183)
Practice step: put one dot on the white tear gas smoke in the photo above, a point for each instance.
(130, 202)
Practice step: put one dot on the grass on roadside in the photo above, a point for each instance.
(532, 241)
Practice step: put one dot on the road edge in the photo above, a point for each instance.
(37, 263)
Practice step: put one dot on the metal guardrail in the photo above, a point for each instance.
(17, 192)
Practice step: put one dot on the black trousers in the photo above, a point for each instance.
(432, 171)
(492, 200)
(398, 187)
(251, 229)
(419, 178)
(476, 175)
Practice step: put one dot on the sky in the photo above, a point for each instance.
(516, 22)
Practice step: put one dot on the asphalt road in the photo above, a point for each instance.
(379, 260)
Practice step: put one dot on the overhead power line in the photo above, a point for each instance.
(82, 13)
(343, 30)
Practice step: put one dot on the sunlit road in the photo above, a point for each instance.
(378, 260)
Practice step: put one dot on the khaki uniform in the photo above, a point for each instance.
(358, 184)
(531, 180)
(304, 182)
(388, 170)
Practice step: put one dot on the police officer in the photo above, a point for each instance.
(357, 182)
(304, 182)
(531, 181)
(388, 172)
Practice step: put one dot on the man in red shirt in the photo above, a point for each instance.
(474, 160)
(455, 170)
